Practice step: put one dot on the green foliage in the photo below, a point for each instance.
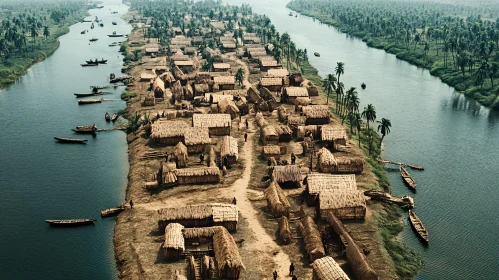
(127, 95)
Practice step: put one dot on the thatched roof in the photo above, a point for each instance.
(330, 133)
(152, 50)
(269, 131)
(267, 57)
(284, 231)
(164, 129)
(224, 246)
(321, 182)
(296, 91)
(197, 136)
(325, 157)
(221, 66)
(278, 73)
(258, 53)
(268, 63)
(173, 237)
(286, 173)
(303, 101)
(271, 150)
(295, 121)
(219, 212)
(198, 171)
(276, 197)
(224, 80)
(211, 120)
(147, 75)
(184, 63)
(271, 81)
(312, 238)
(228, 106)
(217, 98)
(260, 120)
(228, 45)
(316, 111)
(180, 150)
(328, 269)
(341, 198)
(180, 57)
(258, 48)
(228, 146)
(201, 88)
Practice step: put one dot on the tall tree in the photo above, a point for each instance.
(384, 127)
(369, 114)
(340, 69)
(329, 85)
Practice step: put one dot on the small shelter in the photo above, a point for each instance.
(186, 66)
(284, 133)
(226, 106)
(277, 201)
(284, 232)
(289, 94)
(198, 175)
(197, 139)
(326, 161)
(200, 215)
(181, 156)
(221, 67)
(294, 121)
(229, 149)
(158, 87)
(201, 89)
(280, 73)
(333, 136)
(168, 132)
(267, 64)
(288, 176)
(316, 114)
(274, 151)
(312, 238)
(225, 82)
(328, 269)
(174, 245)
(228, 46)
(269, 135)
(320, 182)
(346, 204)
(217, 124)
(282, 113)
(274, 84)
(253, 95)
(295, 80)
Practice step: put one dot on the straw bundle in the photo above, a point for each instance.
(228, 147)
(181, 156)
(312, 238)
(277, 200)
(320, 182)
(328, 269)
(284, 231)
(286, 173)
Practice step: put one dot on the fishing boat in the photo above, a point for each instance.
(85, 129)
(363, 86)
(108, 118)
(88, 65)
(92, 26)
(115, 35)
(111, 211)
(317, 54)
(418, 227)
(290, 14)
(92, 61)
(93, 39)
(70, 140)
(84, 94)
(90, 101)
(114, 117)
(83, 32)
(70, 223)
(407, 178)
(102, 61)
(101, 24)
(114, 23)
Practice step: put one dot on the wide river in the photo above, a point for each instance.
(41, 179)
(432, 125)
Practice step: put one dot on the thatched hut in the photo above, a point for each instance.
(168, 132)
(227, 106)
(174, 246)
(284, 133)
(290, 94)
(277, 201)
(328, 269)
(227, 259)
(242, 105)
(333, 136)
(272, 83)
(320, 182)
(229, 149)
(177, 91)
(326, 161)
(295, 80)
(300, 102)
(158, 87)
(188, 92)
(312, 238)
(267, 64)
(201, 89)
(361, 267)
(200, 215)
(282, 113)
(197, 139)
(187, 66)
(274, 151)
(346, 204)
(349, 165)
(260, 120)
(295, 121)
(198, 175)
(225, 82)
(312, 89)
(221, 67)
(304, 130)
(181, 156)
(317, 114)
(288, 176)
(269, 135)
(284, 231)
(280, 73)
(166, 175)
(217, 124)
(253, 95)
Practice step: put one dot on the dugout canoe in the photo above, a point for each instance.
(70, 140)
(70, 223)
(418, 227)
(111, 212)
(85, 129)
(114, 117)
(407, 178)
(108, 118)
(89, 101)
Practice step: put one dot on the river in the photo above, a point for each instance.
(453, 137)
(41, 179)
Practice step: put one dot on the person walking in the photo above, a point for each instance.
(131, 204)
(245, 137)
(234, 201)
(247, 124)
(292, 269)
(274, 274)
(293, 159)
(201, 158)
(294, 277)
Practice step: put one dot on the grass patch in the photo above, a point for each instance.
(128, 95)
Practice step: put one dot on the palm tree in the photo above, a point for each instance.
(357, 121)
(46, 32)
(369, 114)
(329, 85)
(34, 34)
(340, 69)
(340, 87)
(285, 41)
(240, 75)
(384, 127)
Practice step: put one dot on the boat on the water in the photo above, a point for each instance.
(92, 26)
(114, 117)
(83, 32)
(84, 94)
(101, 24)
(85, 129)
(114, 23)
(363, 86)
(317, 54)
(87, 65)
(111, 211)
(70, 140)
(290, 14)
(108, 118)
(90, 101)
(418, 227)
(93, 39)
(70, 223)
(407, 178)
(114, 12)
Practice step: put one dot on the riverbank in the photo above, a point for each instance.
(486, 95)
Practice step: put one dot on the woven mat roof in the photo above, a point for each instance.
(219, 212)
(329, 132)
(321, 182)
(328, 269)
(341, 198)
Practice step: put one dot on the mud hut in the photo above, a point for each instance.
(272, 83)
(346, 204)
(227, 106)
(333, 136)
(225, 82)
(269, 135)
(174, 246)
(312, 238)
(181, 156)
(288, 176)
(361, 267)
(277, 201)
(217, 124)
(200, 215)
(274, 151)
(284, 231)
(229, 149)
(320, 182)
(326, 161)
(328, 269)
(290, 94)
(199, 175)
(316, 114)
(166, 132)
(197, 139)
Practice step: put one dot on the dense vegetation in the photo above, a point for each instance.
(29, 32)
(458, 41)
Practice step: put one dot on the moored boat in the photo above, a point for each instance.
(363, 86)
(93, 39)
(70, 140)
(86, 65)
(407, 178)
(114, 23)
(111, 211)
(102, 61)
(83, 32)
(115, 117)
(69, 223)
(418, 227)
(85, 129)
(89, 101)
(83, 94)
(317, 54)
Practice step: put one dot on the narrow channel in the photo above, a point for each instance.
(41, 179)
(453, 137)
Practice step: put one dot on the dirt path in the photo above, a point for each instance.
(246, 70)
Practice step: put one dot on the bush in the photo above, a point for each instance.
(127, 95)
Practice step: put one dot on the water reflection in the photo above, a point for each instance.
(464, 104)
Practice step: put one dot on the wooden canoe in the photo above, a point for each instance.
(70, 140)
(87, 65)
(115, 35)
(89, 101)
(93, 39)
(108, 118)
(317, 54)
(111, 211)
(86, 129)
(115, 117)
(418, 227)
(407, 178)
(84, 94)
(70, 223)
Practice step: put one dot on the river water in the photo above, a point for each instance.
(41, 179)
(453, 137)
